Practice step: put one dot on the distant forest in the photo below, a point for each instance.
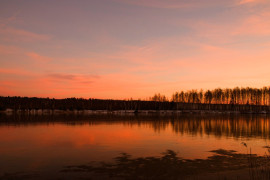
(236, 99)
(253, 96)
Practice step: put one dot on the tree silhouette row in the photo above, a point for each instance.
(254, 96)
(237, 99)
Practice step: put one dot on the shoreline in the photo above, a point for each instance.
(122, 112)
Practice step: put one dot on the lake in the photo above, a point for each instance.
(190, 146)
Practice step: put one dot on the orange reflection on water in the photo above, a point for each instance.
(34, 146)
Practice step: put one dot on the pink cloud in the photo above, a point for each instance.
(241, 2)
(170, 4)
(174, 4)
(7, 49)
(12, 34)
(257, 24)
(16, 71)
(37, 57)
(73, 78)
(28, 83)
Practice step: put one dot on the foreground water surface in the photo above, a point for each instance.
(128, 147)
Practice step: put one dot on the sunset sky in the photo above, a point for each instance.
(131, 48)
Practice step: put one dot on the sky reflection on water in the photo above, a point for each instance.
(46, 143)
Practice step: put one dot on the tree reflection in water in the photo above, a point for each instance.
(219, 125)
(167, 166)
(170, 166)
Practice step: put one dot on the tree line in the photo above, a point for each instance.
(252, 96)
(236, 99)
(34, 103)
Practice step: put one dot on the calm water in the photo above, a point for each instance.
(36, 147)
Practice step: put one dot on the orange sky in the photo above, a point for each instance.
(132, 48)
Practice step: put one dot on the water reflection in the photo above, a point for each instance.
(32, 146)
(257, 126)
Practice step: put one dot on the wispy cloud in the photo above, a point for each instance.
(255, 24)
(176, 4)
(169, 4)
(38, 58)
(4, 21)
(73, 77)
(16, 71)
(8, 33)
(8, 49)
(241, 2)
